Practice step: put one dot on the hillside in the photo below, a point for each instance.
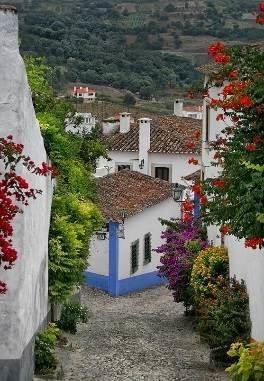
(140, 45)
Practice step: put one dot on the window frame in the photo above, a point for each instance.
(161, 165)
(148, 257)
(133, 270)
(122, 164)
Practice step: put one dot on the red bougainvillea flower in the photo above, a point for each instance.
(225, 229)
(190, 145)
(220, 117)
(245, 101)
(196, 188)
(190, 95)
(254, 242)
(260, 19)
(235, 118)
(222, 58)
(251, 147)
(187, 217)
(187, 206)
(3, 288)
(203, 200)
(257, 139)
(216, 48)
(261, 6)
(193, 161)
(233, 74)
(218, 183)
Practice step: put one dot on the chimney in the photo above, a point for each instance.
(8, 27)
(144, 145)
(178, 107)
(124, 122)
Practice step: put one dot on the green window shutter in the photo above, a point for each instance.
(147, 249)
(134, 256)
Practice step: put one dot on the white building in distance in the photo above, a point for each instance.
(85, 93)
(81, 122)
(159, 148)
(188, 111)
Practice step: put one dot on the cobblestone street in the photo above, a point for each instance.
(143, 336)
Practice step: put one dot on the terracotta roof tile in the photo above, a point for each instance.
(169, 134)
(131, 192)
(193, 176)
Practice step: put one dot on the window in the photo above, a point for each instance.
(207, 123)
(121, 167)
(80, 95)
(134, 256)
(162, 173)
(147, 249)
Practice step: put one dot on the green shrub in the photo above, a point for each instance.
(209, 273)
(226, 318)
(72, 313)
(250, 364)
(45, 359)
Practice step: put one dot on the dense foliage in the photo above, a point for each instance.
(250, 363)
(238, 152)
(87, 43)
(75, 216)
(183, 240)
(72, 313)
(45, 358)
(209, 273)
(225, 319)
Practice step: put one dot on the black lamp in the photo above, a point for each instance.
(141, 164)
(177, 190)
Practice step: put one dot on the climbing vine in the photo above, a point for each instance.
(15, 192)
(235, 200)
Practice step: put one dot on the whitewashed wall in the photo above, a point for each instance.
(245, 263)
(139, 225)
(24, 307)
(99, 256)
(178, 163)
(248, 264)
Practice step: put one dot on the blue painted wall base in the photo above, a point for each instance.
(124, 286)
(140, 282)
(96, 280)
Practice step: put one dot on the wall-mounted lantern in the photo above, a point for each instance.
(177, 191)
(141, 164)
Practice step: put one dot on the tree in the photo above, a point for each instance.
(129, 100)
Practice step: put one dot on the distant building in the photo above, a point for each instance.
(188, 111)
(159, 147)
(85, 93)
(122, 260)
(81, 122)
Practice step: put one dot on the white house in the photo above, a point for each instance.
(85, 93)
(121, 257)
(159, 147)
(188, 111)
(245, 263)
(86, 123)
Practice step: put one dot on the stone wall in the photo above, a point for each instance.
(24, 307)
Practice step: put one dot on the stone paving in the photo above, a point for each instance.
(143, 336)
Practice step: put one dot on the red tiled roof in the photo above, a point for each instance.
(192, 108)
(82, 90)
(131, 192)
(169, 134)
(193, 176)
